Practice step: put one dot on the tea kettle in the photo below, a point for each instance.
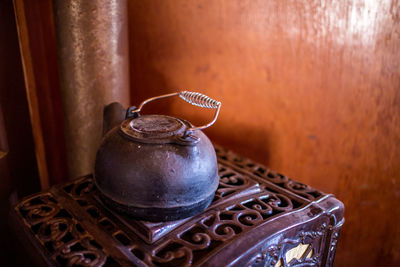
(157, 167)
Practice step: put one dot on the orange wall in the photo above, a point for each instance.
(310, 88)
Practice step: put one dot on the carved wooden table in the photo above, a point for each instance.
(258, 218)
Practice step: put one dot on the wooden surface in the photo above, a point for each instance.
(18, 169)
(38, 52)
(310, 88)
(31, 92)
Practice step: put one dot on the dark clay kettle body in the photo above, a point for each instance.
(157, 167)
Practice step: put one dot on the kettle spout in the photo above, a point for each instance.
(113, 115)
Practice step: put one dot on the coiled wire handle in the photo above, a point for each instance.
(199, 100)
(193, 98)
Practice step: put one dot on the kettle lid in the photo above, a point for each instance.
(158, 129)
(162, 129)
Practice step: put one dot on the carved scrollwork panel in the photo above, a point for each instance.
(59, 233)
(233, 184)
(81, 253)
(247, 198)
(263, 172)
(38, 208)
(81, 187)
(218, 227)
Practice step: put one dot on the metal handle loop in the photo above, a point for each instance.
(193, 98)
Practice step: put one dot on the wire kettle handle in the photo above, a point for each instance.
(193, 98)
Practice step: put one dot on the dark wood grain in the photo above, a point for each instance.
(31, 92)
(18, 169)
(310, 88)
(38, 50)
